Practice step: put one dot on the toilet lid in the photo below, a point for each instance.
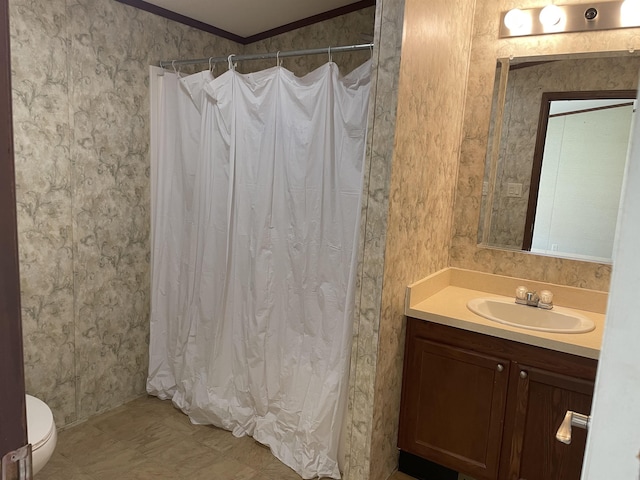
(40, 425)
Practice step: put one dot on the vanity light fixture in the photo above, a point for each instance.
(570, 18)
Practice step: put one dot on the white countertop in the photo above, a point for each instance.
(442, 298)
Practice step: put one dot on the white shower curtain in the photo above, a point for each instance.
(256, 184)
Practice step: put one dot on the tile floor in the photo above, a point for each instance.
(150, 439)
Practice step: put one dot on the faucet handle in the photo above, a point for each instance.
(546, 297)
(521, 292)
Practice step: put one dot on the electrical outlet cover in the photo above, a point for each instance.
(514, 189)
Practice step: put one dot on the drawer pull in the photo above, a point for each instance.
(523, 374)
(500, 367)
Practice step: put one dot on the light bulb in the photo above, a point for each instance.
(630, 12)
(550, 15)
(515, 19)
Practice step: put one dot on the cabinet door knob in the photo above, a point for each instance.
(500, 367)
(523, 374)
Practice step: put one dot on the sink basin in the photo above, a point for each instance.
(557, 320)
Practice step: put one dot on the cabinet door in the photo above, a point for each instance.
(453, 406)
(541, 400)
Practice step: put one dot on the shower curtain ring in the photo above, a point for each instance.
(173, 65)
(211, 65)
(231, 66)
(330, 57)
(278, 59)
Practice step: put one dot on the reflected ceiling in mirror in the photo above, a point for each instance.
(516, 129)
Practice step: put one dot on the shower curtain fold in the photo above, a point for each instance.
(256, 184)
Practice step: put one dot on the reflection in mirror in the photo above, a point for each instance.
(577, 173)
(556, 219)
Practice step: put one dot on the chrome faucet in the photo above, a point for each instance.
(524, 296)
(532, 299)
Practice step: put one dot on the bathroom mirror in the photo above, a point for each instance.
(554, 166)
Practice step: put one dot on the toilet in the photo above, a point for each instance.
(41, 432)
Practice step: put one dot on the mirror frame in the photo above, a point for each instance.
(480, 245)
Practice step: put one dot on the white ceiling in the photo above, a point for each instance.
(249, 17)
(567, 106)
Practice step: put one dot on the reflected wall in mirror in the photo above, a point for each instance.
(510, 189)
(578, 168)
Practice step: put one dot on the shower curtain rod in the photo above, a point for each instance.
(262, 56)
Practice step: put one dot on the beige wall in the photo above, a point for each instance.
(432, 85)
(81, 113)
(486, 47)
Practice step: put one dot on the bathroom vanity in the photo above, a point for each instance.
(486, 399)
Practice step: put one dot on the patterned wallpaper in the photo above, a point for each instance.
(431, 95)
(82, 173)
(354, 28)
(361, 433)
(520, 125)
(485, 49)
(81, 126)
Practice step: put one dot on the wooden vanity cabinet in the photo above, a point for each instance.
(490, 407)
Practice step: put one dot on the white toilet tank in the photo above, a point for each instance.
(41, 432)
